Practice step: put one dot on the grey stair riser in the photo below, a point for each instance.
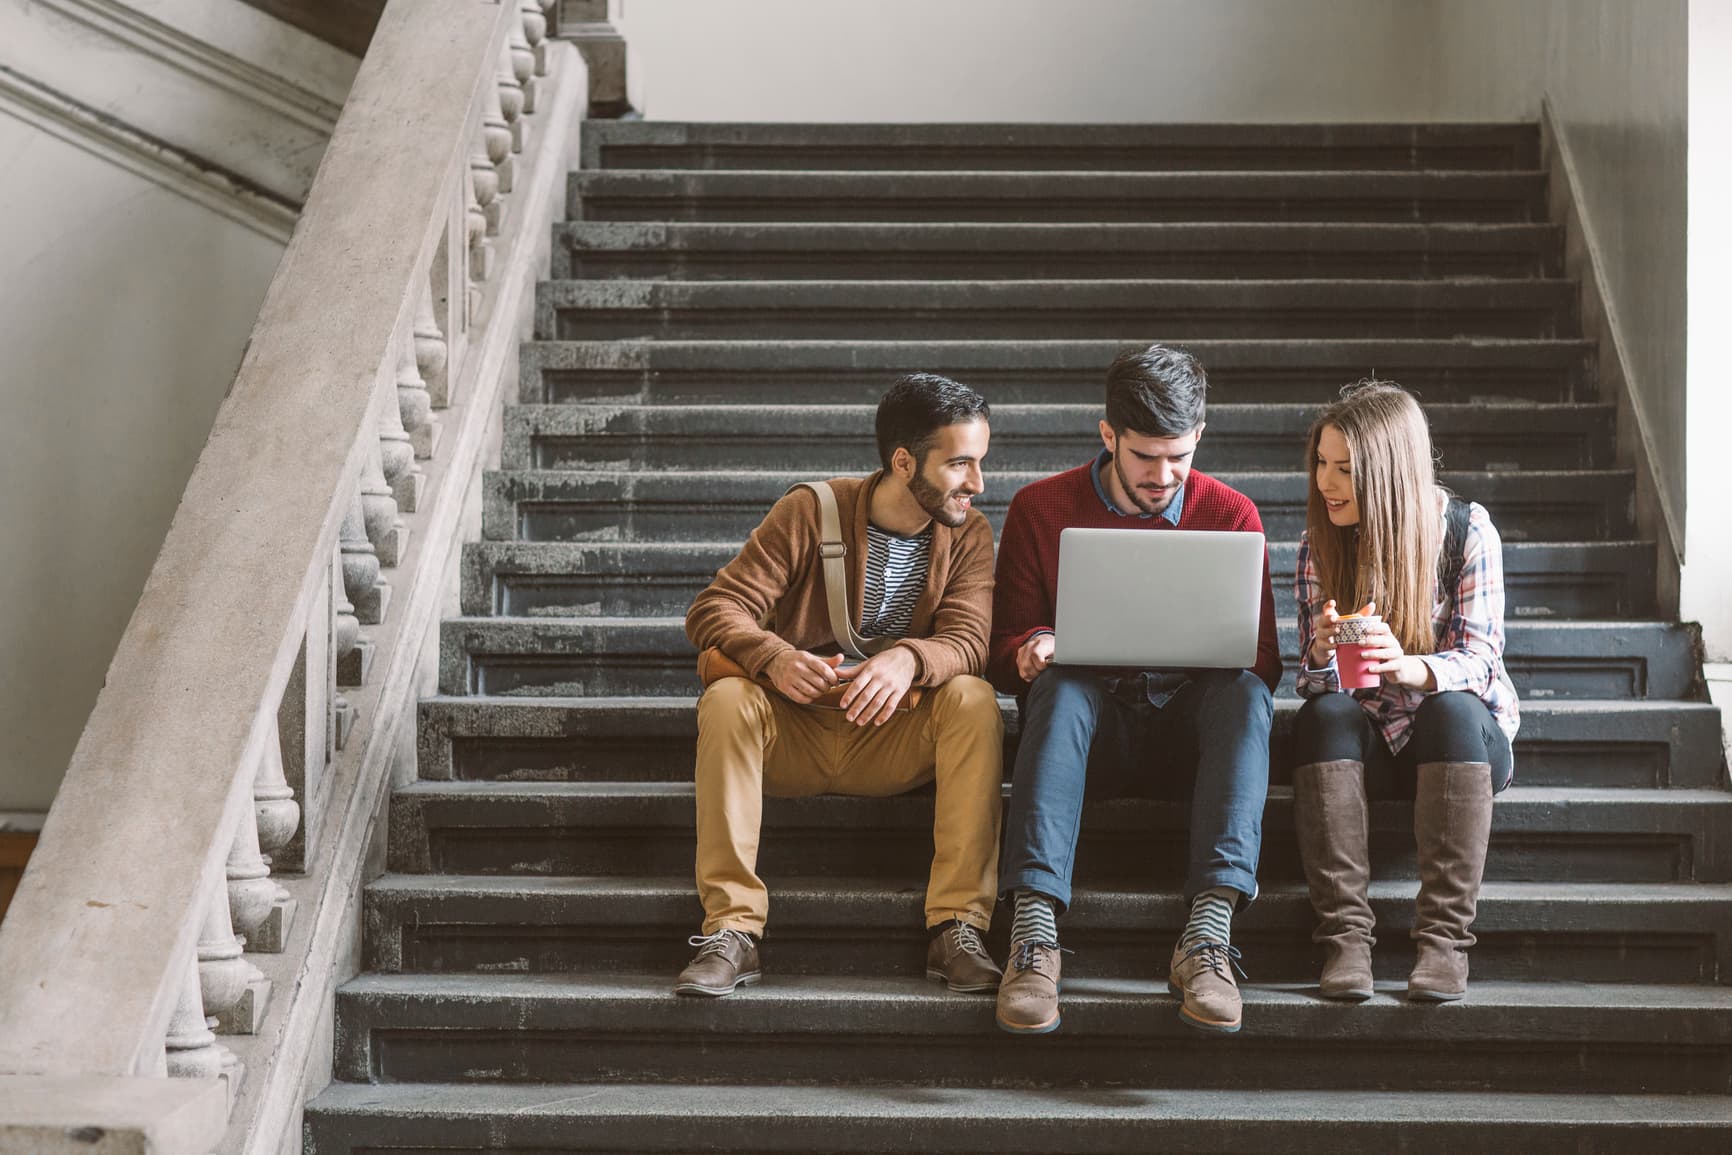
(1121, 842)
(1646, 745)
(650, 506)
(1542, 580)
(1142, 198)
(546, 658)
(564, 1117)
(1021, 372)
(607, 250)
(1130, 311)
(1113, 1035)
(1099, 148)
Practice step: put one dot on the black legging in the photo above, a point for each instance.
(1453, 726)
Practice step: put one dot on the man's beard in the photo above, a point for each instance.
(932, 499)
(1143, 504)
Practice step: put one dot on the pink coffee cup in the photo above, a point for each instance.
(1351, 668)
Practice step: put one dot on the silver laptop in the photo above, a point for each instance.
(1158, 598)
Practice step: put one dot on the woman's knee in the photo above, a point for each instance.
(1451, 727)
(1329, 728)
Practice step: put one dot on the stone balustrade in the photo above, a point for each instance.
(189, 906)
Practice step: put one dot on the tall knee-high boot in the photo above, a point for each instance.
(1451, 825)
(1333, 822)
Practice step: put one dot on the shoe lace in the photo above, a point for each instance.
(965, 939)
(1217, 956)
(1022, 954)
(710, 944)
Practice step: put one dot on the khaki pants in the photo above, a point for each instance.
(753, 742)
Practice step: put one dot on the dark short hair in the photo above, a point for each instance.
(917, 406)
(1157, 392)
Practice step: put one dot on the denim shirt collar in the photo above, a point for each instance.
(1175, 508)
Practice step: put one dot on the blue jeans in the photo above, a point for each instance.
(1211, 740)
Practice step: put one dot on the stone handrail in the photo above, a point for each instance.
(254, 710)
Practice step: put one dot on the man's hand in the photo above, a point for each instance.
(1035, 655)
(803, 677)
(878, 685)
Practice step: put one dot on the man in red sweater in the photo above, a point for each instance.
(1120, 728)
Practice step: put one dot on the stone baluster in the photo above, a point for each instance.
(190, 1049)
(224, 974)
(252, 893)
(366, 588)
(414, 403)
(274, 807)
(431, 351)
(513, 99)
(346, 627)
(496, 143)
(397, 458)
(522, 61)
(379, 510)
(535, 34)
(482, 188)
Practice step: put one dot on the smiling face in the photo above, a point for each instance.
(948, 478)
(1332, 473)
(1147, 472)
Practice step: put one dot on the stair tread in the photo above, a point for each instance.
(705, 1104)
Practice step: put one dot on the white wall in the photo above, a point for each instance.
(124, 309)
(1614, 73)
(1029, 60)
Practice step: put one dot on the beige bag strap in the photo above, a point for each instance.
(834, 551)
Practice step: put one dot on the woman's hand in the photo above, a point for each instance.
(1323, 624)
(1385, 657)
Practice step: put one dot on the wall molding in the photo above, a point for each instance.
(162, 165)
(197, 59)
(1656, 511)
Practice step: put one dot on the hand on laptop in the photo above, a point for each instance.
(878, 686)
(1035, 655)
(801, 676)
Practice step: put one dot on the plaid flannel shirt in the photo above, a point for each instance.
(1467, 623)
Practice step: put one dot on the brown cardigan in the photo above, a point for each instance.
(777, 580)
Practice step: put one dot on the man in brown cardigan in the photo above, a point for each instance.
(919, 561)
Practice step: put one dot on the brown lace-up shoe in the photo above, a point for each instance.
(1203, 977)
(725, 960)
(1028, 996)
(958, 959)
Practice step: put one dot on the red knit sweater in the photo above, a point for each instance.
(1025, 599)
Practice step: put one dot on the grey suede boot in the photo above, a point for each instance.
(1333, 822)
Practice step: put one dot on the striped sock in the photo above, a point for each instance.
(1211, 917)
(1034, 919)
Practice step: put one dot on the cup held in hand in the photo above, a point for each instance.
(1351, 667)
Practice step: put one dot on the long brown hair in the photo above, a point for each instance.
(1391, 556)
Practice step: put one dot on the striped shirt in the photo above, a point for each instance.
(895, 579)
(1467, 623)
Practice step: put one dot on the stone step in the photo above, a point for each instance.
(1044, 371)
(1052, 437)
(1643, 744)
(1574, 932)
(653, 505)
(648, 144)
(1539, 834)
(609, 657)
(422, 1118)
(800, 1029)
(602, 579)
(1135, 312)
(1036, 196)
(866, 251)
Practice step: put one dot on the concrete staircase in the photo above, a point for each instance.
(728, 301)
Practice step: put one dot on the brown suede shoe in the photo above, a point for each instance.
(725, 960)
(1203, 977)
(1028, 996)
(958, 959)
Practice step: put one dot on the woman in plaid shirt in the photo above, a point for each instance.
(1382, 535)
